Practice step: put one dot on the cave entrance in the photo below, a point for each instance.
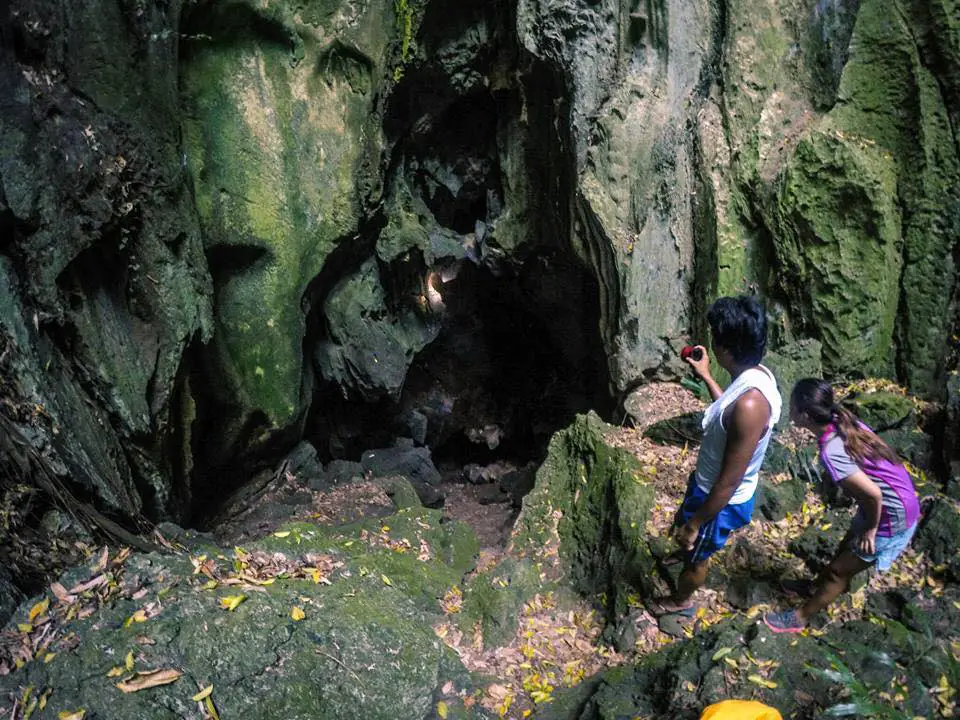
(473, 262)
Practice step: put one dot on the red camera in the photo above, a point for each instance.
(691, 351)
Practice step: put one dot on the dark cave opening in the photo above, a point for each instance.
(480, 158)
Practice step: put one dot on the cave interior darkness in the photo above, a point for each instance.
(518, 350)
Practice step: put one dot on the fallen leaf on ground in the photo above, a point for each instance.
(297, 614)
(230, 602)
(39, 609)
(153, 678)
(203, 693)
(74, 715)
(761, 681)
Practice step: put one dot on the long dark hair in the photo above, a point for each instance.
(815, 398)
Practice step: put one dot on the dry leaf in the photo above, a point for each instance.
(721, 652)
(205, 693)
(230, 602)
(386, 580)
(116, 671)
(39, 609)
(282, 534)
(60, 592)
(144, 680)
(211, 709)
(88, 585)
(297, 614)
(128, 661)
(761, 681)
(75, 715)
(442, 709)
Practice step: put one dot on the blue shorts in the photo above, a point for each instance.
(887, 548)
(712, 535)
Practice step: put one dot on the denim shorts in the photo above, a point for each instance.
(712, 535)
(887, 548)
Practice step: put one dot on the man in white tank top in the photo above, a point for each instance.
(737, 429)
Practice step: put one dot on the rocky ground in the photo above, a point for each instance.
(357, 601)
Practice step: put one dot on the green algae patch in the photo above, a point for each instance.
(277, 134)
(839, 237)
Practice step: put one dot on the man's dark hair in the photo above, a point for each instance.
(739, 324)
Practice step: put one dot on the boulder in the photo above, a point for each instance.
(776, 499)
(884, 410)
(791, 362)
(939, 535)
(343, 629)
(413, 463)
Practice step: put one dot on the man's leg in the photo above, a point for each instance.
(834, 580)
(690, 580)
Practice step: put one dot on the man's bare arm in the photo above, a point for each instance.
(746, 426)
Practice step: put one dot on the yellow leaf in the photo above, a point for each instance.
(210, 584)
(211, 709)
(282, 534)
(731, 662)
(25, 627)
(49, 656)
(230, 602)
(39, 609)
(144, 680)
(205, 693)
(826, 526)
(442, 709)
(128, 660)
(297, 614)
(116, 671)
(756, 610)
(386, 580)
(721, 652)
(761, 681)
(68, 715)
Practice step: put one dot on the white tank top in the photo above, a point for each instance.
(710, 457)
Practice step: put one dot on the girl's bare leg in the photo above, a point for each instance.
(834, 580)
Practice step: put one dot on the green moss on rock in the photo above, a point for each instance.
(838, 241)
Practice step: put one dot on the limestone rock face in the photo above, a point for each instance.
(103, 281)
(225, 227)
(633, 69)
(279, 121)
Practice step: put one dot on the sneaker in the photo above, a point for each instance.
(784, 622)
(797, 588)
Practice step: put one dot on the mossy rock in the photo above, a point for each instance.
(680, 431)
(819, 542)
(776, 499)
(884, 410)
(939, 535)
(365, 646)
(582, 527)
(792, 362)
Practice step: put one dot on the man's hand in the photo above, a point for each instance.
(686, 536)
(868, 542)
(702, 366)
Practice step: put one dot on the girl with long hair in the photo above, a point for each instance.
(868, 470)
